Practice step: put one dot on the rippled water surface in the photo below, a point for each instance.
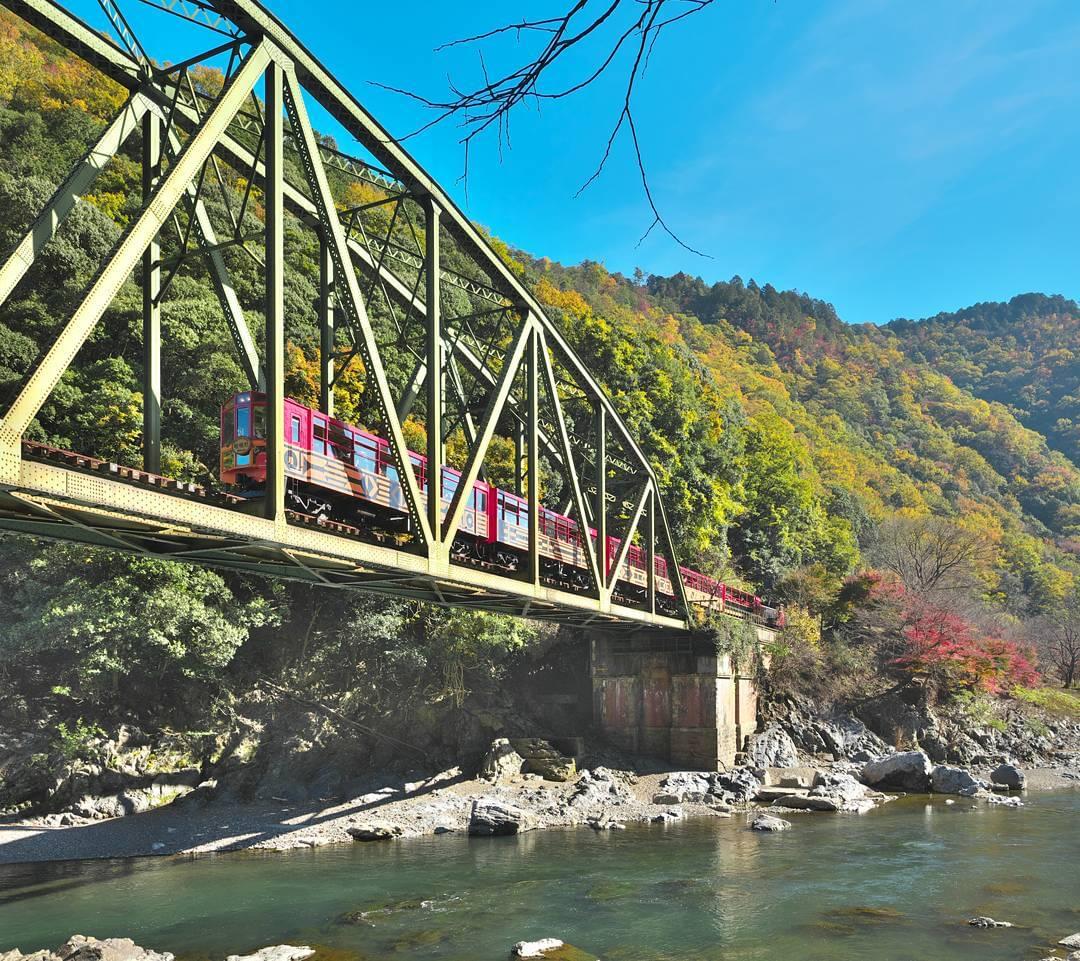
(897, 883)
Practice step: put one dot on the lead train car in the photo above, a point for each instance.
(337, 470)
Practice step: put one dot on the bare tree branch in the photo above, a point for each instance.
(488, 107)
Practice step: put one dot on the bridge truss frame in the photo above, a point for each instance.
(499, 365)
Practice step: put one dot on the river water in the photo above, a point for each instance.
(896, 884)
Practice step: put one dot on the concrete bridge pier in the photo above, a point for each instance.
(673, 698)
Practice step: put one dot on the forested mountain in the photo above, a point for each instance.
(785, 440)
(1022, 353)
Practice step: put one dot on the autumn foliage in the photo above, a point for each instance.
(945, 647)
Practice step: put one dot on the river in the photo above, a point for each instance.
(895, 884)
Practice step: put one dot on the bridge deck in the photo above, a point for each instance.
(72, 497)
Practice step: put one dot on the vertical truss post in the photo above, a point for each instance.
(520, 454)
(600, 510)
(326, 326)
(432, 273)
(151, 302)
(532, 435)
(275, 300)
(650, 553)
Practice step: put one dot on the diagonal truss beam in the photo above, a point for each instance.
(624, 546)
(587, 542)
(350, 300)
(496, 406)
(67, 195)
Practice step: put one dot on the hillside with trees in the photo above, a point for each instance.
(802, 457)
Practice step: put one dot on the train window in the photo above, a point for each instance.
(228, 426)
(365, 455)
(449, 485)
(480, 500)
(341, 444)
(319, 437)
(243, 421)
(294, 430)
(259, 416)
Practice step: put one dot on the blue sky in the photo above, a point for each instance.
(894, 158)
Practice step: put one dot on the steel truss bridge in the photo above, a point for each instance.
(411, 294)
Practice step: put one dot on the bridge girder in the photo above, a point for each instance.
(497, 366)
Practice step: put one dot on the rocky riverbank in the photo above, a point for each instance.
(82, 948)
(297, 792)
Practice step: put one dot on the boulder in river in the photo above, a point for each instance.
(490, 817)
(1072, 941)
(904, 771)
(1010, 776)
(766, 822)
(989, 923)
(953, 780)
(535, 949)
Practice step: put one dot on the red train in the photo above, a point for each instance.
(338, 471)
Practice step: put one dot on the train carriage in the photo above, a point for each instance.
(333, 468)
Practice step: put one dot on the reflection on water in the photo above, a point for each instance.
(898, 883)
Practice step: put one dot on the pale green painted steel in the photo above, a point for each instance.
(130, 516)
(67, 195)
(151, 304)
(274, 258)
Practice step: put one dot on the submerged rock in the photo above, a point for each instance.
(989, 923)
(535, 949)
(767, 822)
(905, 771)
(490, 817)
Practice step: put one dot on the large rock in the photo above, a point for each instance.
(490, 817)
(735, 786)
(772, 748)
(905, 771)
(543, 758)
(501, 762)
(680, 786)
(1072, 941)
(598, 787)
(1009, 775)
(82, 948)
(953, 780)
(276, 952)
(375, 831)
